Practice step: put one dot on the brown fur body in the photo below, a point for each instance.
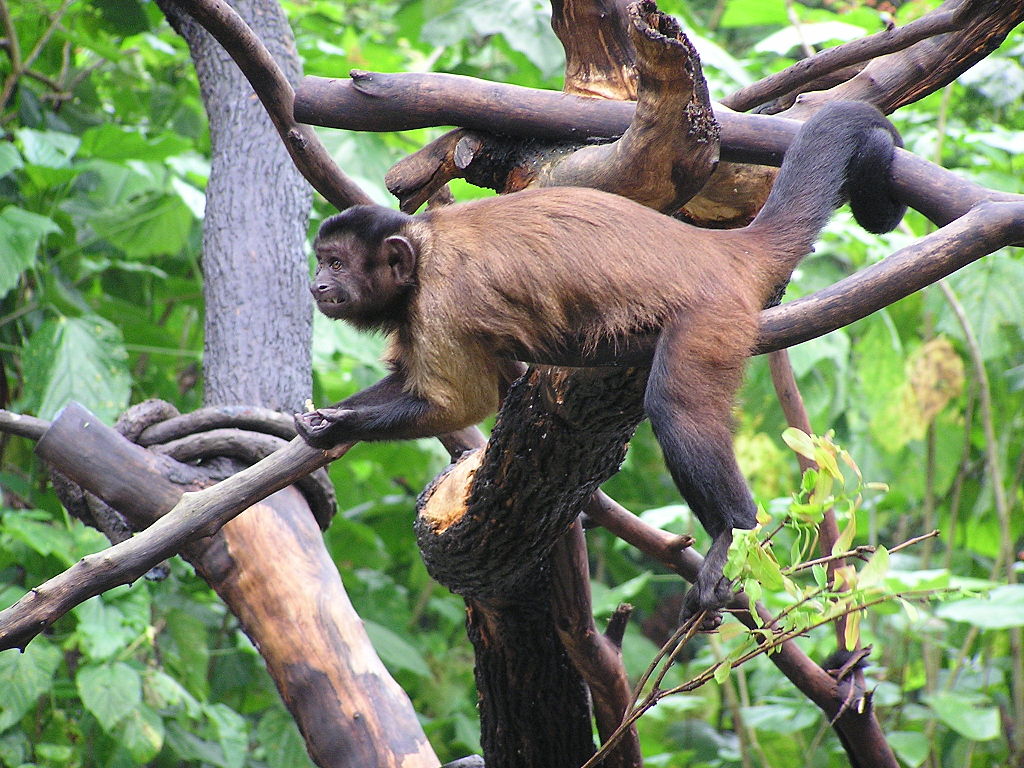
(594, 270)
(574, 276)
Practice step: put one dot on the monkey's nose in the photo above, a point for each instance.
(317, 289)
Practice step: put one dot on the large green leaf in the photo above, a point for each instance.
(21, 232)
(282, 744)
(110, 691)
(1002, 609)
(10, 159)
(991, 297)
(525, 25)
(153, 224)
(910, 747)
(76, 358)
(142, 734)
(972, 716)
(113, 142)
(396, 652)
(25, 677)
(49, 149)
(231, 734)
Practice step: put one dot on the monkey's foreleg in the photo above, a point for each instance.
(385, 411)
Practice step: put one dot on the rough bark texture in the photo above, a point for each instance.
(258, 313)
(599, 55)
(486, 531)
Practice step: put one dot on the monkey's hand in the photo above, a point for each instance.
(324, 428)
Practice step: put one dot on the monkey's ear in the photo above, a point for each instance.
(401, 255)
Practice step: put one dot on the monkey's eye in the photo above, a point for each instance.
(335, 264)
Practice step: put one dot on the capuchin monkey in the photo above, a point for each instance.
(573, 276)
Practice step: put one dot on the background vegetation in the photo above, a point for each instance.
(101, 203)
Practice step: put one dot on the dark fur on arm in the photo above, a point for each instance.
(383, 411)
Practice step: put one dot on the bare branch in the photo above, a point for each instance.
(828, 61)
(986, 228)
(181, 517)
(276, 93)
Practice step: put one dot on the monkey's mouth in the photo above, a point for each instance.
(335, 307)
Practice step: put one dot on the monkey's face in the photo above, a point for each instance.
(364, 284)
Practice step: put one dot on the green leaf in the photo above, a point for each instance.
(153, 224)
(764, 568)
(606, 600)
(525, 25)
(111, 691)
(876, 569)
(395, 652)
(80, 359)
(124, 17)
(1002, 609)
(26, 676)
(990, 295)
(910, 747)
(102, 629)
(779, 718)
(142, 734)
(845, 539)
(754, 13)
(164, 692)
(799, 441)
(114, 142)
(231, 733)
(41, 537)
(282, 743)
(972, 716)
(49, 149)
(10, 159)
(21, 232)
(785, 40)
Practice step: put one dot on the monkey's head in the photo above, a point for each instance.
(366, 266)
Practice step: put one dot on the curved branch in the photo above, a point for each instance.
(84, 449)
(986, 228)
(395, 102)
(828, 61)
(249, 418)
(900, 78)
(276, 93)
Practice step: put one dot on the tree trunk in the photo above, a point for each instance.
(270, 564)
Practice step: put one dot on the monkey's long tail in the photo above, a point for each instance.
(844, 152)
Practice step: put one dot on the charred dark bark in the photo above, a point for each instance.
(487, 528)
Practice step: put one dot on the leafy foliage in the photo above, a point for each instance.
(101, 198)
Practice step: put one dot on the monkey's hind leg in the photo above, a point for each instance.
(689, 401)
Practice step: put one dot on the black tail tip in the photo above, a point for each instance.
(869, 176)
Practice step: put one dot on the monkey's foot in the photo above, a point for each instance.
(321, 429)
(709, 601)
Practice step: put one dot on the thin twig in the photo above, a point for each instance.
(855, 52)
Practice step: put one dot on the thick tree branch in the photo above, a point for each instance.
(670, 148)
(88, 452)
(662, 159)
(986, 228)
(276, 93)
(380, 102)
